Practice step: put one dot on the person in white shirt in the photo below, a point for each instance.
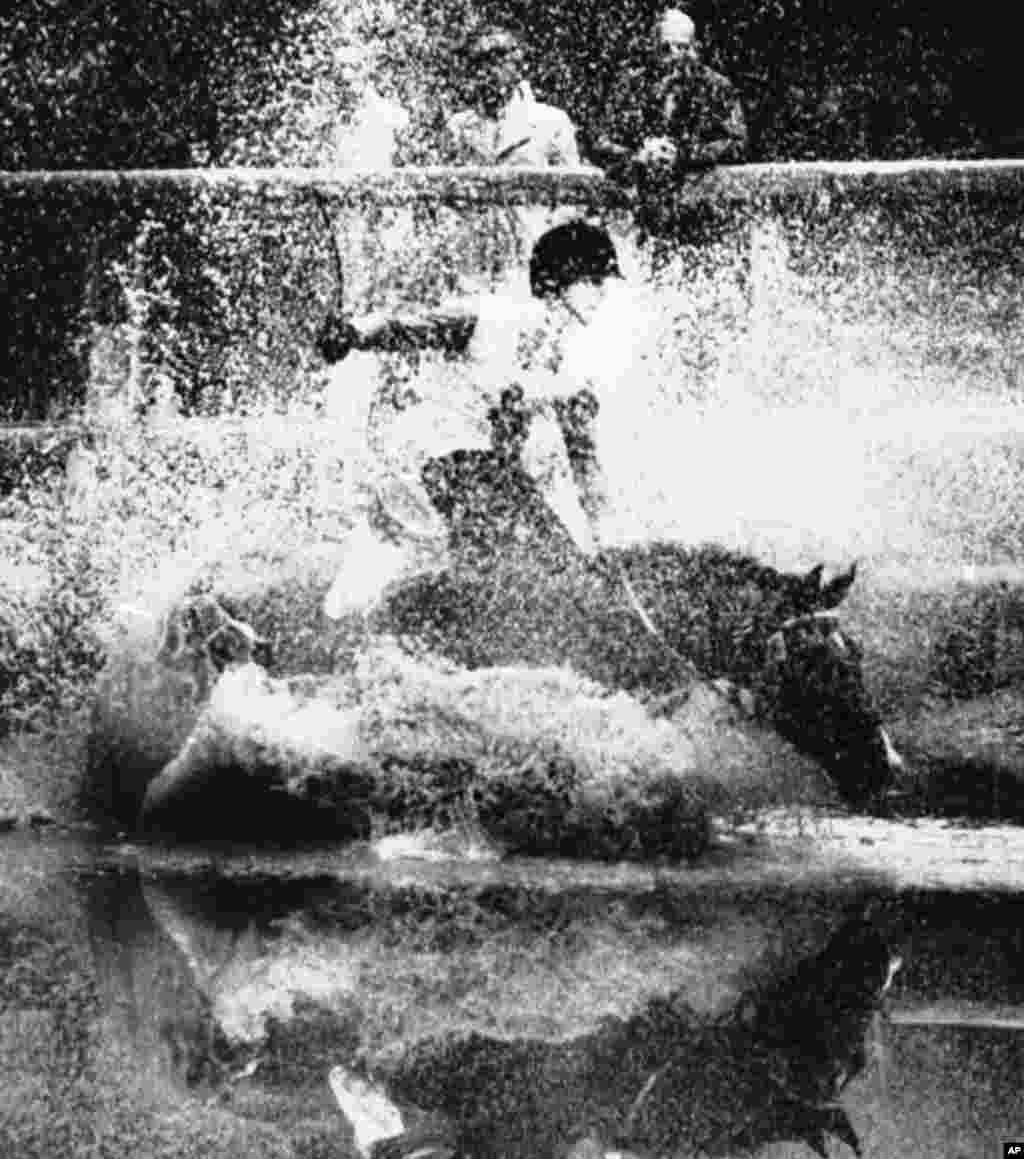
(507, 125)
(543, 345)
(373, 137)
(375, 131)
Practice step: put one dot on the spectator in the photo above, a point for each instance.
(668, 116)
(506, 124)
(374, 134)
(673, 111)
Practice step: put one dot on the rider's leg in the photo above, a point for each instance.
(546, 461)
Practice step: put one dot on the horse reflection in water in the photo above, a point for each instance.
(663, 1082)
(647, 619)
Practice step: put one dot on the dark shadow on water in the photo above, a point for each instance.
(979, 790)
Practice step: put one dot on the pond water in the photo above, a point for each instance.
(157, 1002)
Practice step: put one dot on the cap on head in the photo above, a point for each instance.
(573, 252)
(676, 27)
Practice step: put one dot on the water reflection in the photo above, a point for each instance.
(390, 1019)
(660, 1082)
(250, 988)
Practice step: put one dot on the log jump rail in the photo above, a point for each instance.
(455, 185)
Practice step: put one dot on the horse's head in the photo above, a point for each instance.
(807, 593)
(812, 689)
(773, 1071)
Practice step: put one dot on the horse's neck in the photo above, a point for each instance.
(696, 601)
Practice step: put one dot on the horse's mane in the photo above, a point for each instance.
(711, 559)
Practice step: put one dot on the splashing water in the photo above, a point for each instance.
(825, 398)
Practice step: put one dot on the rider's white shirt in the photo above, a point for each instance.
(514, 341)
(617, 357)
(613, 348)
(520, 339)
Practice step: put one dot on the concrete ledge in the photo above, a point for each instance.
(523, 185)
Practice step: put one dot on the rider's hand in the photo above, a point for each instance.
(657, 151)
(337, 338)
(510, 421)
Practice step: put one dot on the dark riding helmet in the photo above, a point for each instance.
(573, 252)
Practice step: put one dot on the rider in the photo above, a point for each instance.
(542, 347)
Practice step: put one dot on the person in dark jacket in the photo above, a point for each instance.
(672, 110)
(665, 117)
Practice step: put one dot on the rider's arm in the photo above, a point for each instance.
(576, 415)
(448, 328)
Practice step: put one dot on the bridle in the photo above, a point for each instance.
(773, 673)
(776, 642)
(649, 626)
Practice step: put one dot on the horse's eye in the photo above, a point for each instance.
(776, 649)
(849, 646)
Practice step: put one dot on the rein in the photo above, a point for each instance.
(649, 624)
(687, 665)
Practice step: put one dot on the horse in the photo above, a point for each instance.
(663, 1081)
(648, 619)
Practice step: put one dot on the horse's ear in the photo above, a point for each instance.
(812, 580)
(836, 590)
